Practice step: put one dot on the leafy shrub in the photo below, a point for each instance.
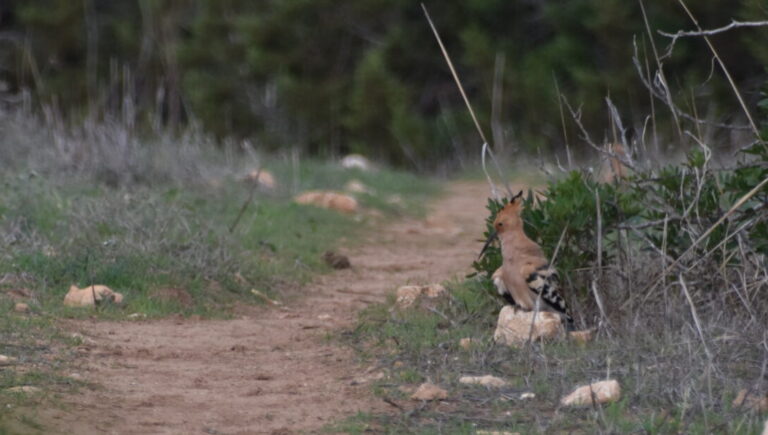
(655, 213)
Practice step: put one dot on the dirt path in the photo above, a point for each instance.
(271, 370)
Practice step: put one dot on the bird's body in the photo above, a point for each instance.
(525, 276)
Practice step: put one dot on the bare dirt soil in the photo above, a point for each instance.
(271, 369)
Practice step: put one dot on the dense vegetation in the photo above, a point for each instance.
(330, 77)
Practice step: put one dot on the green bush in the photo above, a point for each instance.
(651, 211)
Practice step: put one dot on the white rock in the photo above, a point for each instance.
(90, 295)
(356, 161)
(330, 200)
(24, 389)
(408, 295)
(603, 392)
(487, 381)
(514, 326)
(527, 396)
(6, 360)
(356, 186)
(262, 177)
(433, 290)
(427, 391)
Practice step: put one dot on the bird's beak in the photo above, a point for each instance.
(491, 237)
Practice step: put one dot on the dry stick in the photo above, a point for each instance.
(494, 190)
(247, 201)
(661, 72)
(734, 24)
(595, 277)
(466, 100)
(538, 297)
(695, 315)
(615, 119)
(653, 105)
(743, 277)
(663, 97)
(725, 71)
(562, 121)
(496, 102)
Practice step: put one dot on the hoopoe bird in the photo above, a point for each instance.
(525, 275)
(611, 167)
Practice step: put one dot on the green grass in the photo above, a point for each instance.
(43, 356)
(664, 383)
(143, 238)
(140, 239)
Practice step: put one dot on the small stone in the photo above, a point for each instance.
(356, 161)
(262, 177)
(356, 186)
(134, 316)
(324, 317)
(527, 396)
(582, 337)
(428, 391)
(398, 364)
(407, 295)
(6, 360)
(265, 297)
(514, 326)
(433, 290)
(90, 296)
(330, 200)
(21, 307)
(28, 389)
(336, 261)
(486, 381)
(751, 400)
(603, 392)
(465, 343)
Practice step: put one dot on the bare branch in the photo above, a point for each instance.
(734, 24)
(725, 71)
(661, 93)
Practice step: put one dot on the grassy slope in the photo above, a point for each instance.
(58, 230)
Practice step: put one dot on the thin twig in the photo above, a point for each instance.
(247, 202)
(734, 24)
(695, 315)
(562, 121)
(725, 70)
(660, 73)
(662, 96)
(464, 96)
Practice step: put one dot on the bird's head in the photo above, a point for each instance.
(507, 219)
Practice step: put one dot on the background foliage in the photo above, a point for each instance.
(331, 77)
